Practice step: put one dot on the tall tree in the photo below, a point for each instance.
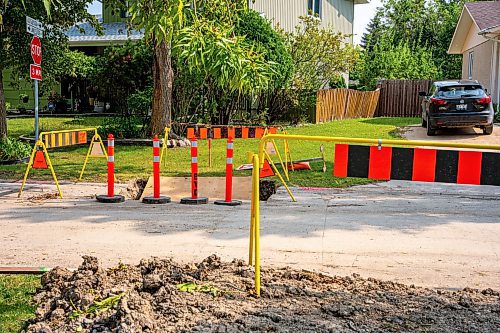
(14, 40)
(161, 20)
(418, 25)
(202, 33)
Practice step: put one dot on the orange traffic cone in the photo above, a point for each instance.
(266, 170)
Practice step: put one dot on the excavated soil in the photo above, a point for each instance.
(149, 298)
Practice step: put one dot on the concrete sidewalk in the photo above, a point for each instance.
(433, 235)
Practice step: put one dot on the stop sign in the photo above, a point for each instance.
(36, 50)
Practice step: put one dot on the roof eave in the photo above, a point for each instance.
(102, 42)
(461, 30)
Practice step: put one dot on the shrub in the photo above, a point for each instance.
(13, 150)
(123, 127)
(260, 32)
(141, 102)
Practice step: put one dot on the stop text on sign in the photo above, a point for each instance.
(36, 50)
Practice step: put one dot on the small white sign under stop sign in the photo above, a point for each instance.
(36, 72)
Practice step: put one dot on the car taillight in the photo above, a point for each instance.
(437, 101)
(484, 100)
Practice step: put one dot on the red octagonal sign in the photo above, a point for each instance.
(36, 50)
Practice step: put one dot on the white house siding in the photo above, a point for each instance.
(483, 66)
(336, 13)
(339, 14)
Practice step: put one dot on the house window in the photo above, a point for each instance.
(314, 7)
(471, 65)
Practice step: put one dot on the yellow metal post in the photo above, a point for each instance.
(87, 157)
(285, 170)
(250, 159)
(49, 164)
(95, 137)
(164, 147)
(287, 151)
(252, 228)
(28, 167)
(279, 176)
(256, 220)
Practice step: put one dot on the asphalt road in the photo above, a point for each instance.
(433, 235)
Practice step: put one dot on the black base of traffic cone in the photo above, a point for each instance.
(227, 203)
(155, 201)
(191, 201)
(114, 199)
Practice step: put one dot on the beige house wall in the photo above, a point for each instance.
(484, 67)
(338, 14)
(472, 38)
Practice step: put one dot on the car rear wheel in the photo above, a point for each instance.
(487, 130)
(431, 131)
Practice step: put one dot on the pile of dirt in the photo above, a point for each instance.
(160, 295)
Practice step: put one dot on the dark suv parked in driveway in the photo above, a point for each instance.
(457, 104)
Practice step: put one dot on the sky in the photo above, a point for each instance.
(362, 16)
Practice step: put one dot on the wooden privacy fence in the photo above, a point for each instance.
(337, 104)
(399, 98)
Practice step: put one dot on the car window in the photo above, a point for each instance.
(461, 91)
(432, 90)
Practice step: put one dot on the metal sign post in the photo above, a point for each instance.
(35, 28)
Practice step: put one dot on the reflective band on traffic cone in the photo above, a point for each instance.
(194, 200)
(229, 177)
(156, 198)
(111, 197)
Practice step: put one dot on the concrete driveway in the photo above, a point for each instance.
(463, 135)
(434, 235)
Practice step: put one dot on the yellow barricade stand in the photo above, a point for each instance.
(40, 158)
(263, 154)
(163, 155)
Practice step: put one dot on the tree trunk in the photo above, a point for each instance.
(3, 110)
(162, 94)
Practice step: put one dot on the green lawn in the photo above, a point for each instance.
(15, 301)
(136, 161)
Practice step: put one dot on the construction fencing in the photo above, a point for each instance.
(338, 104)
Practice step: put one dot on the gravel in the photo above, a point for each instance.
(151, 297)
